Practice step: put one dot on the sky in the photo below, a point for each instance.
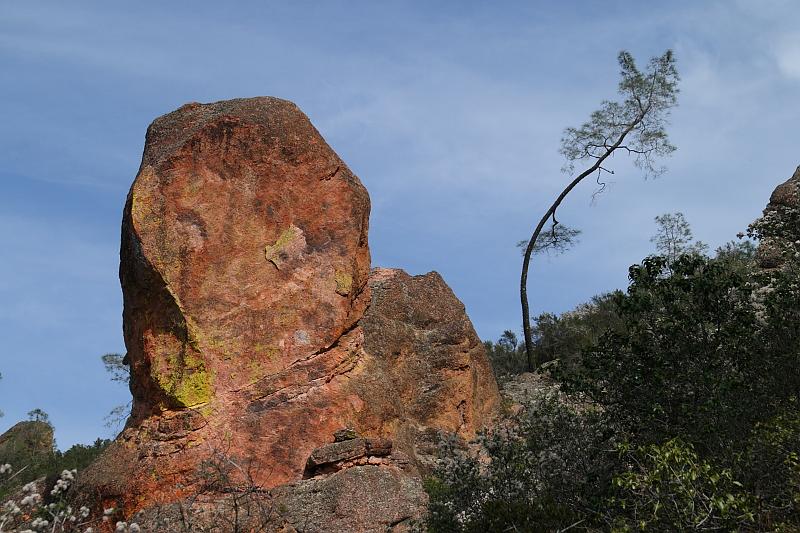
(451, 113)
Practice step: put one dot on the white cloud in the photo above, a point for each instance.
(787, 55)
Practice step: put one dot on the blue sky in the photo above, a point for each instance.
(449, 112)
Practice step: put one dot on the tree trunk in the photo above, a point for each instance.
(533, 363)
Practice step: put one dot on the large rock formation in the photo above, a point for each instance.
(253, 325)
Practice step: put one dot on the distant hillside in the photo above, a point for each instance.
(27, 442)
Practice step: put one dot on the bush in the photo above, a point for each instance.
(697, 367)
(705, 354)
(548, 469)
(34, 509)
(669, 488)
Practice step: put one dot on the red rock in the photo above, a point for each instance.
(244, 250)
(245, 275)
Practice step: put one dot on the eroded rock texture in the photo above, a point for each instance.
(253, 325)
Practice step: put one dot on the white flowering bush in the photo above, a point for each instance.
(28, 512)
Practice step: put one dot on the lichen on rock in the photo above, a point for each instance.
(344, 283)
(290, 245)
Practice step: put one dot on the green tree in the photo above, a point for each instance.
(38, 415)
(706, 353)
(738, 255)
(564, 337)
(505, 355)
(636, 125)
(117, 367)
(674, 237)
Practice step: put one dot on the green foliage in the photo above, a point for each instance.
(506, 355)
(79, 456)
(669, 488)
(564, 338)
(692, 375)
(556, 240)
(561, 338)
(117, 367)
(779, 224)
(636, 123)
(694, 343)
(543, 472)
(674, 237)
(737, 255)
(30, 450)
(38, 415)
(120, 372)
(640, 116)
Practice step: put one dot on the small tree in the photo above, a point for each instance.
(674, 237)
(636, 125)
(38, 415)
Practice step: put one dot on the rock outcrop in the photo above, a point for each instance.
(779, 227)
(25, 442)
(255, 328)
(354, 484)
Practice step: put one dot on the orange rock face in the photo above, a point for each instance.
(251, 235)
(252, 323)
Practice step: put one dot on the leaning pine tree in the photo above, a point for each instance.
(635, 125)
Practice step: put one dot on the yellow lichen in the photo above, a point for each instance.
(273, 251)
(193, 389)
(255, 370)
(284, 317)
(183, 378)
(344, 282)
(265, 351)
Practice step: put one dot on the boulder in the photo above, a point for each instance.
(334, 453)
(244, 251)
(253, 325)
(365, 499)
(346, 453)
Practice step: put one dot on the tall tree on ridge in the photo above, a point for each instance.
(635, 125)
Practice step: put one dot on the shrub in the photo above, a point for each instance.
(548, 469)
(669, 488)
